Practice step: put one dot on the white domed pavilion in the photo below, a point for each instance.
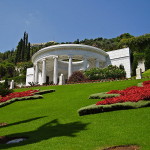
(50, 62)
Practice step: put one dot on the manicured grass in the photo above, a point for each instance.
(53, 123)
(146, 73)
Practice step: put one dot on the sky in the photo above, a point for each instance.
(68, 20)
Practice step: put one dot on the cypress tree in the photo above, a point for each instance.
(23, 49)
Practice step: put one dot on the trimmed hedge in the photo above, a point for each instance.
(45, 91)
(140, 84)
(102, 95)
(110, 72)
(93, 109)
(20, 99)
(36, 96)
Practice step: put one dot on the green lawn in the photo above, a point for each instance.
(146, 73)
(53, 123)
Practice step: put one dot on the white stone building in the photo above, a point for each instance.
(51, 62)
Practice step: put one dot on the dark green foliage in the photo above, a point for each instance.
(22, 66)
(6, 86)
(9, 59)
(7, 70)
(102, 95)
(93, 109)
(136, 58)
(19, 79)
(76, 42)
(110, 72)
(77, 76)
(22, 52)
(136, 44)
(121, 67)
(134, 65)
(147, 58)
(3, 90)
(25, 50)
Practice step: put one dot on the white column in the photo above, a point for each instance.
(55, 75)
(70, 67)
(85, 63)
(97, 63)
(44, 71)
(36, 73)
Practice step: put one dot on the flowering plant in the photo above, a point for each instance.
(130, 94)
(17, 94)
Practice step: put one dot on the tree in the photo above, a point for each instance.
(76, 42)
(147, 58)
(23, 49)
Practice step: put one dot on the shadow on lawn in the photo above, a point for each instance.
(24, 121)
(49, 130)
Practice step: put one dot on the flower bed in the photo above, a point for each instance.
(18, 94)
(130, 94)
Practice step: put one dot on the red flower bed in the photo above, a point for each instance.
(17, 94)
(146, 82)
(130, 94)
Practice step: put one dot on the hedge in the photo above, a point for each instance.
(20, 99)
(93, 109)
(110, 72)
(36, 96)
(102, 95)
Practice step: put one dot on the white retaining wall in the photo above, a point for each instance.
(121, 57)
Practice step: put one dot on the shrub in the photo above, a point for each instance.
(20, 79)
(93, 109)
(121, 67)
(111, 72)
(102, 95)
(3, 90)
(77, 76)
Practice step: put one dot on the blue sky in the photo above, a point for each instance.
(68, 20)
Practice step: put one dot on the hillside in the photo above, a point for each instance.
(9, 60)
(53, 122)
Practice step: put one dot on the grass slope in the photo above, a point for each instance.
(146, 73)
(53, 123)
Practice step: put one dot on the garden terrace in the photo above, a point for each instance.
(53, 122)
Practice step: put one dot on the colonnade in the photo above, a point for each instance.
(55, 72)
